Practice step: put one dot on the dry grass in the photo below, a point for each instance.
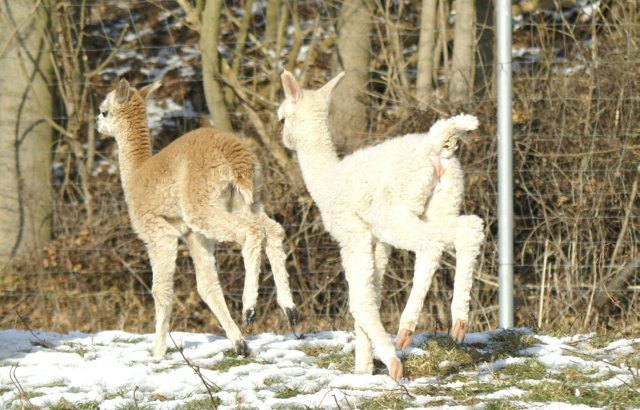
(576, 150)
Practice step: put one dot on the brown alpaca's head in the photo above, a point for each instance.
(122, 106)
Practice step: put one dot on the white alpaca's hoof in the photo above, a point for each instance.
(458, 330)
(404, 338)
(396, 370)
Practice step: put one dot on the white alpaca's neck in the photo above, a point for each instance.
(134, 149)
(318, 159)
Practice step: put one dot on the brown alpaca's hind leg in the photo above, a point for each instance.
(274, 235)
(209, 288)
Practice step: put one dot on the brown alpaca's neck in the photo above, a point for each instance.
(134, 149)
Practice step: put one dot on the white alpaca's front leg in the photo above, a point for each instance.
(162, 254)
(468, 242)
(357, 258)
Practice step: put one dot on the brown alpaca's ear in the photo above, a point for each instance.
(147, 90)
(122, 91)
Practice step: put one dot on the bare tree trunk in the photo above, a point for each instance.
(25, 133)
(349, 118)
(485, 38)
(211, 65)
(426, 47)
(463, 62)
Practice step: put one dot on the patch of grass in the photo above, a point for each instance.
(271, 381)
(500, 405)
(529, 369)
(328, 357)
(230, 359)
(115, 394)
(390, 401)
(510, 343)
(201, 404)
(443, 357)
(65, 405)
(128, 340)
(624, 396)
(578, 376)
(287, 392)
(465, 395)
(602, 340)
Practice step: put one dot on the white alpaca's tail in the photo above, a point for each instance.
(446, 129)
(457, 124)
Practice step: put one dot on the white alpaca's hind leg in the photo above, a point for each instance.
(357, 258)
(364, 357)
(209, 288)
(425, 266)
(162, 254)
(403, 229)
(468, 243)
(277, 259)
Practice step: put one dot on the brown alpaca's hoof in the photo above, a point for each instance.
(459, 330)
(241, 348)
(404, 338)
(396, 370)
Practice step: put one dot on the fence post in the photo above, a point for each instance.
(505, 164)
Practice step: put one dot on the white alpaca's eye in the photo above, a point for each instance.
(104, 113)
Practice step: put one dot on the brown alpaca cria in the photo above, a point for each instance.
(203, 187)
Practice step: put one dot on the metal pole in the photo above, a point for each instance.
(505, 164)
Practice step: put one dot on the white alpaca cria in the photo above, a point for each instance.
(379, 197)
(203, 187)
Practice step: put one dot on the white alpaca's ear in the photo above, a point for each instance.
(327, 89)
(122, 91)
(290, 86)
(147, 90)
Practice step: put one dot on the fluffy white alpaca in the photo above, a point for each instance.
(203, 187)
(375, 198)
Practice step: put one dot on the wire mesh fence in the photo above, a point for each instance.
(576, 150)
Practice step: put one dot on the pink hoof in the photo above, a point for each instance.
(404, 338)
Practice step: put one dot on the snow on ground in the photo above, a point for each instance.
(114, 370)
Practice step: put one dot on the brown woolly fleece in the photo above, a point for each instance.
(203, 187)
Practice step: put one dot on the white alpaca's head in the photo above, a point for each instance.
(303, 110)
(122, 106)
